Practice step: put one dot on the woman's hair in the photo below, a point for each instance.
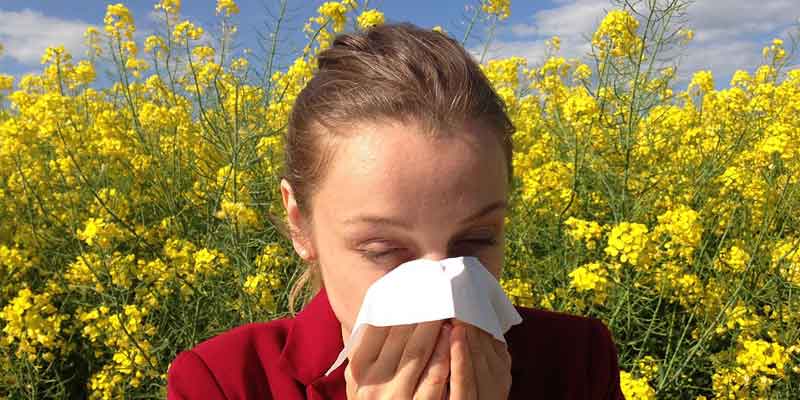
(390, 72)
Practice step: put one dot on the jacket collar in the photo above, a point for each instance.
(314, 341)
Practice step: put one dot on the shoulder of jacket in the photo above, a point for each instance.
(537, 316)
(245, 337)
(548, 330)
(231, 361)
(188, 377)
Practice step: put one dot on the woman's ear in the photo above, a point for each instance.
(297, 225)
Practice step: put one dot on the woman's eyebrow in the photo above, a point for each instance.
(378, 220)
(485, 211)
(374, 219)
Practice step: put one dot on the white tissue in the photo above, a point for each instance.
(424, 290)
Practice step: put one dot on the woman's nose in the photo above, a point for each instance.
(436, 255)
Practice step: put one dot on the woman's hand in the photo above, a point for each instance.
(401, 362)
(480, 365)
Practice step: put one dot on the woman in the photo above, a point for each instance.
(397, 149)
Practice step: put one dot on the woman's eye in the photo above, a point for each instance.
(376, 256)
(486, 242)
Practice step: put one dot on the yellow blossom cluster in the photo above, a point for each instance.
(617, 35)
(518, 290)
(126, 334)
(172, 7)
(733, 259)
(370, 18)
(33, 325)
(119, 22)
(591, 277)
(227, 7)
(786, 259)
(678, 232)
(635, 388)
(330, 14)
(186, 30)
(588, 232)
(98, 232)
(774, 51)
(757, 365)
(6, 82)
(627, 241)
(500, 8)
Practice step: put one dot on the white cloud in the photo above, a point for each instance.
(719, 20)
(26, 34)
(729, 34)
(722, 58)
(572, 21)
(573, 18)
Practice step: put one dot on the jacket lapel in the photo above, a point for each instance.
(312, 344)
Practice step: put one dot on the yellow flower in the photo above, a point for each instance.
(500, 8)
(238, 213)
(186, 30)
(335, 11)
(617, 35)
(203, 53)
(169, 6)
(6, 82)
(681, 231)
(92, 41)
(627, 240)
(227, 7)
(370, 18)
(585, 231)
(554, 43)
(586, 277)
(519, 291)
(688, 34)
(703, 81)
(90, 230)
(635, 389)
(98, 231)
(154, 43)
(84, 73)
(119, 21)
(762, 357)
(32, 324)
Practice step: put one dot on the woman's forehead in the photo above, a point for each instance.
(395, 167)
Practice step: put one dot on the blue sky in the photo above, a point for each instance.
(729, 34)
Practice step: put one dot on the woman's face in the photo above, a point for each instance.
(392, 195)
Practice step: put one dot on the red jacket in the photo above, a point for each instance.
(554, 356)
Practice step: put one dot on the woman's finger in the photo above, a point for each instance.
(416, 354)
(478, 355)
(462, 374)
(368, 349)
(501, 350)
(489, 350)
(498, 362)
(433, 381)
(392, 350)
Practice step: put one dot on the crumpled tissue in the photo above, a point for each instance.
(424, 290)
